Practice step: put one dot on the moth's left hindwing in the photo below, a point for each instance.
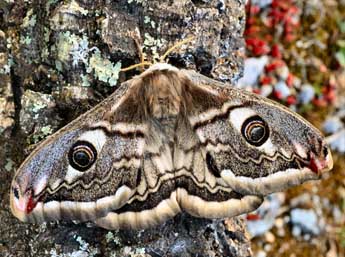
(167, 141)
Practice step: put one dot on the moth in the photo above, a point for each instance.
(168, 141)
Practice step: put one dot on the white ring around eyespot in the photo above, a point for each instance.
(238, 116)
(95, 137)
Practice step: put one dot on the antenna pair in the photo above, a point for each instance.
(160, 60)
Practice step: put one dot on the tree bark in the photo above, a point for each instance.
(58, 59)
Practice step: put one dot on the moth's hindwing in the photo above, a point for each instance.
(168, 141)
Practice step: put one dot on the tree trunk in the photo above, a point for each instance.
(58, 59)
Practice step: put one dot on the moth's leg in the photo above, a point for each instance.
(198, 207)
(165, 210)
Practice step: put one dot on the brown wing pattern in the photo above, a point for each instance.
(167, 141)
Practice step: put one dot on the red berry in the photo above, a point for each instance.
(275, 52)
(291, 100)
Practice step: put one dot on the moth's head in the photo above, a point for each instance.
(272, 148)
(69, 176)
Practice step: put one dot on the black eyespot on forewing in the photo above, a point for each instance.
(255, 130)
(211, 165)
(82, 155)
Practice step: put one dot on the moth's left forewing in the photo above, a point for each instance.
(256, 145)
(47, 187)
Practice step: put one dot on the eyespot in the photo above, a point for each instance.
(255, 130)
(82, 155)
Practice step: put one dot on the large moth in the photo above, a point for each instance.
(168, 141)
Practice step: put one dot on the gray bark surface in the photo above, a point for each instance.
(60, 58)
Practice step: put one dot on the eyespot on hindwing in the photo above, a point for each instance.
(82, 155)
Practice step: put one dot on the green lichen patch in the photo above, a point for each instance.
(66, 41)
(85, 250)
(85, 80)
(34, 101)
(147, 20)
(9, 165)
(25, 40)
(104, 69)
(71, 47)
(75, 7)
(28, 24)
(5, 64)
(153, 45)
(40, 135)
(112, 237)
(29, 20)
